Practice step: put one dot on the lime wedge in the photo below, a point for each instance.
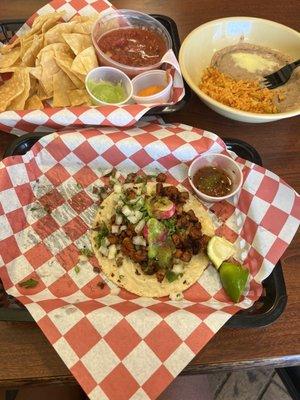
(219, 250)
(234, 278)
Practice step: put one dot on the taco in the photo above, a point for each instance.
(150, 237)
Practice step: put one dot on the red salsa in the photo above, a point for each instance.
(136, 47)
(212, 181)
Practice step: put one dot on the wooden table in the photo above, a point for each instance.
(25, 353)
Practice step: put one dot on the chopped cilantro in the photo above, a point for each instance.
(171, 276)
(170, 224)
(139, 179)
(79, 185)
(34, 208)
(86, 252)
(30, 283)
(102, 233)
(77, 269)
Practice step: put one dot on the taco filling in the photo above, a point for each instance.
(151, 237)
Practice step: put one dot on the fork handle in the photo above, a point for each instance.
(295, 64)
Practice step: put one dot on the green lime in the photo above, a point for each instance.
(219, 250)
(234, 278)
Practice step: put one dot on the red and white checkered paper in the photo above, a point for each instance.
(54, 119)
(117, 345)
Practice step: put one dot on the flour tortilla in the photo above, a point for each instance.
(148, 285)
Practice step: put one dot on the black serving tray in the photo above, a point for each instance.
(8, 29)
(264, 311)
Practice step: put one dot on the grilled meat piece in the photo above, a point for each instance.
(130, 177)
(140, 255)
(178, 253)
(160, 276)
(195, 233)
(204, 242)
(161, 177)
(183, 197)
(186, 256)
(159, 188)
(113, 239)
(192, 216)
(150, 267)
(177, 240)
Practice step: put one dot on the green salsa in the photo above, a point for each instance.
(107, 91)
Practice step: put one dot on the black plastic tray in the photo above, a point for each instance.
(8, 29)
(264, 311)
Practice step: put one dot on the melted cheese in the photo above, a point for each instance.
(253, 62)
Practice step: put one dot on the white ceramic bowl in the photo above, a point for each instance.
(199, 46)
(112, 75)
(157, 77)
(223, 162)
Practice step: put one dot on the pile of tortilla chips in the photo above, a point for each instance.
(48, 64)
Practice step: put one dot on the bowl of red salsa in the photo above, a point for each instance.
(131, 41)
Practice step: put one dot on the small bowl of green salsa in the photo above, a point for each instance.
(108, 86)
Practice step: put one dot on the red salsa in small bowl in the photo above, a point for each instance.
(133, 46)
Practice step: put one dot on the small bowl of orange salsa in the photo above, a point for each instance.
(215, 177)
(152, 87)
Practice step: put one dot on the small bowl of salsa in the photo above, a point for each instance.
(152, 87)
(131, 41)
(215, 177)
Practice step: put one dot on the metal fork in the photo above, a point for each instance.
(281, 76)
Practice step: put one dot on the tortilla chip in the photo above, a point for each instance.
(77, 41)
(83, 27)
(7, 48)
(54, 35)
(61, 85)
(31, 53)
(10, 58)
(79, 97)
(65, 65)
(18, 103)
(42, 95)
(85, 18)
(46, 59)
(85, 61)
(34, 103)
(10, 89)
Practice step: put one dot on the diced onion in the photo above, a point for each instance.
(177, 269)
(117, 188)
(133, 201)
(103, 250)
(126, 211)
(112, 251)
(139, 227)
(123, 228)
(138, 214)
(82, 257)
(117, 174)
(119, 219)
(105, 242)
(139, 241)
(120, 203)
(115, 229)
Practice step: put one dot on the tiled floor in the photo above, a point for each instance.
(260, 384)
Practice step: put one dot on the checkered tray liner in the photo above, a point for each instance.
(54, 119)
(119, 346)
